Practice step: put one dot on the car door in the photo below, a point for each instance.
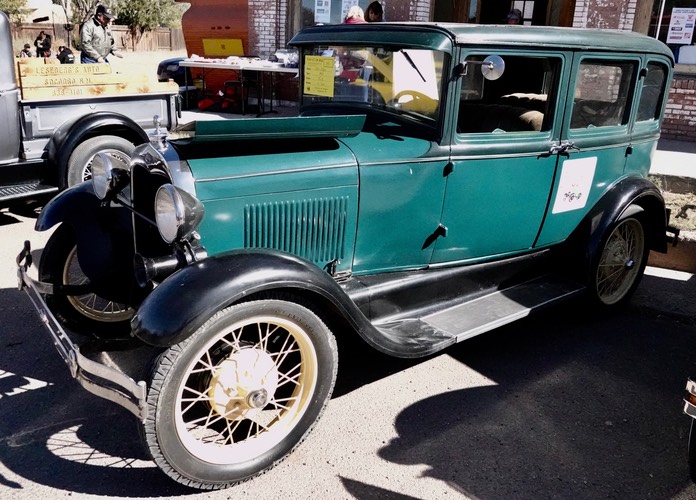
(649, 104)
(502, 156)
(595, 138)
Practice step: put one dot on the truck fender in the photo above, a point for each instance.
(104, 237)
(184, 301)
(628, 197)
(70, 134)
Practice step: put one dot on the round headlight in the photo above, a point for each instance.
(102, 174)
(177, 213)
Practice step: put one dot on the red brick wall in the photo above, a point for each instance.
(680, 114)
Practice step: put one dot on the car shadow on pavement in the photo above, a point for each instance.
(584, 407)
(54, 433)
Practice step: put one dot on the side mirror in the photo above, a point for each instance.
(492, 67)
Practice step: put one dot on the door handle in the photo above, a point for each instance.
(563, 148)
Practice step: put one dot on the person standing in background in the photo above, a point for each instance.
(374, 13)
(47, 43)
(97, 39)
(355, 15)
(39, 43)
(514, 17)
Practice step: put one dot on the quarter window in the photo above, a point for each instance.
(652, 91)
(601, 94)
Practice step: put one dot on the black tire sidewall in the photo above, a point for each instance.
(692, 450)
(87, 149)
(161, 420)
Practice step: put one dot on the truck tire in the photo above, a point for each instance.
(80, 162)
(235, 398)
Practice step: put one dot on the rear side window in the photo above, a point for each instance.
(602, 92)
(652, 92)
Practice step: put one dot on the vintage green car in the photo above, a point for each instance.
(440, 181)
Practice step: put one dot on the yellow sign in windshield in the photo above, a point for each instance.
(319, 76)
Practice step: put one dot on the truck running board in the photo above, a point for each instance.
(21, 191)
(435, 331)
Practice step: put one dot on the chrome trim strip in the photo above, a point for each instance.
(323, 167)
(277, 172)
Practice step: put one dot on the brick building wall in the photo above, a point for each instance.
(267, 20)
(605, 14)
(680, 115)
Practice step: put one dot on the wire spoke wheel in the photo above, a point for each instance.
(79, 168)
(235, 398)
(119, 156)
(621, 262)
(75, 301)
(90, 304)
(246, 390)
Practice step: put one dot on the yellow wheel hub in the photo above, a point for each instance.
(243, 383)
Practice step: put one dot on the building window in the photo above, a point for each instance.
(327, 11)
(526, 7)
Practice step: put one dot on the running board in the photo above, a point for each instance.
(21, 191)
(433, 332)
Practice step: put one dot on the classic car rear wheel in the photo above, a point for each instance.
(80, 163)
(84, 311)
(620, 265)
(240, 394)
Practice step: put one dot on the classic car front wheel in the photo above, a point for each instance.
(240, 394)
(619, 267)
(77, 305)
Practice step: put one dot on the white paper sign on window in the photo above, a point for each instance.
(322, 11)
(345, 7)
(681, 26)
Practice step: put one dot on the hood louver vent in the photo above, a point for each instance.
(313, 229)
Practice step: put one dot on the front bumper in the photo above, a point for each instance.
(690, 399)
(104, 381)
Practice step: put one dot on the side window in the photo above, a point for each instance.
(522, 99)
(601, 93)
(652, 92)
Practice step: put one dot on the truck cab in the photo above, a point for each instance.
(57, 117)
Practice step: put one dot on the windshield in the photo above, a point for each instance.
(404, 81)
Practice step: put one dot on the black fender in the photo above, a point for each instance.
(103, 234)
(70, 134)
(183, 302)
(78, 203)
(628, 197)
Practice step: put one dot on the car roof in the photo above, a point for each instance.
(443, 35)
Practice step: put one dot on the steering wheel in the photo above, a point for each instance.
(412, 100)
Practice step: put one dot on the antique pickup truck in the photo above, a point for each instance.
(57, 118)
(440, 181)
